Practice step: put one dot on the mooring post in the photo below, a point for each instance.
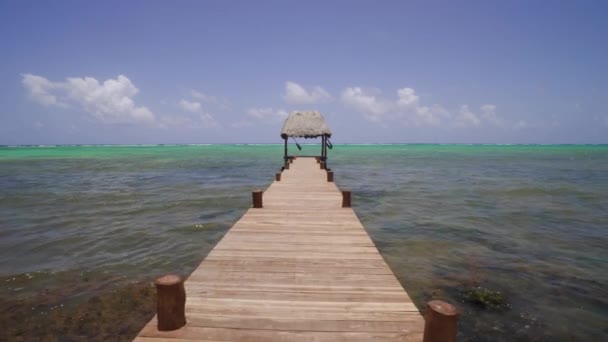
(257, 198)
(440, 322)
(170, 302)
(345, 198)
(330, 176)
(322, 165)
(277, 177)
(287, 166)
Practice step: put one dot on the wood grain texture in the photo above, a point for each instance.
(302, 268)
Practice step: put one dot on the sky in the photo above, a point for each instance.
(148, 72)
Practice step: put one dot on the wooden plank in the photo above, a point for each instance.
(299, 287)
(291, 269)
(297, 325)
(300, 269)
(313, 296)
(291, 262)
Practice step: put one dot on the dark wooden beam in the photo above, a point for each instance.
(285, 158)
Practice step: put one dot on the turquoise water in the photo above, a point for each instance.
(529, 222)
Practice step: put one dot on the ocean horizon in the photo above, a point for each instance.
(311, 144)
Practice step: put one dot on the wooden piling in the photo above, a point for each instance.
(257, 198)
(440, 322)
(170, 302)
(277, 177)
(322, 165)
(330, 176)
(345, 198)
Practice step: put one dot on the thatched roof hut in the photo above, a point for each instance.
(308, 124)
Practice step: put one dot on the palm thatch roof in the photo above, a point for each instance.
(308, 124)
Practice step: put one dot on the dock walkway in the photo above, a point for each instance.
(300, 269)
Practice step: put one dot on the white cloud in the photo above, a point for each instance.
(407, 97)
(40, 89)
(268, 115)
(203, 119)
(488, 114)
(423, 115)
(412, 113)
(215, 101)
(521, 124)
(190, 106)
(107, 102)
(207, 120)
(405, 109)
(488, 108)
(202, 96)
(261, 115)
(365, 102)
(466, 118)
(408, 110)
(296, 94)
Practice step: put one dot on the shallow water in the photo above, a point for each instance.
(83, 222)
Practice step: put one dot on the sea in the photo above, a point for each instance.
(516, 236)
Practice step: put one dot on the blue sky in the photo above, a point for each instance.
(127, 72)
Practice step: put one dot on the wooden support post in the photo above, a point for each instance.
(322, 165)
(286, 166)
(440, 322)
(345, 198)
(277, 177)
(330, 176)
(257, 198)
(323, 148)
(170, 302)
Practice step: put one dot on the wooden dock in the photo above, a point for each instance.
(302, 268)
